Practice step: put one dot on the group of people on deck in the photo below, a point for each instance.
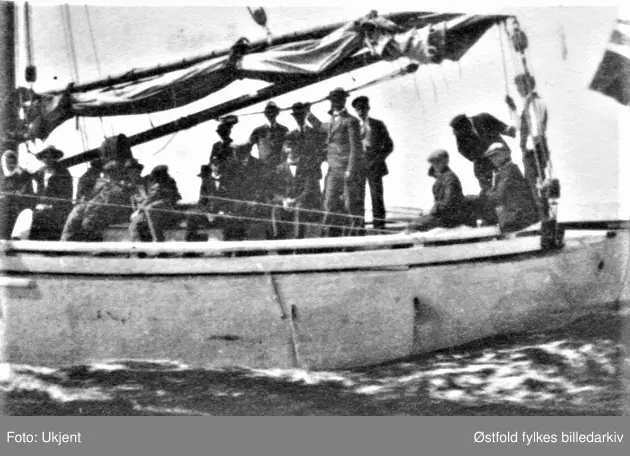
(278, 195)
(507, 197)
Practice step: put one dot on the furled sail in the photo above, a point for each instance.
(421, 37)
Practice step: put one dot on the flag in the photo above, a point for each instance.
(613, 74)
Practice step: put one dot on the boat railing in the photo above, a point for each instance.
(262, 247)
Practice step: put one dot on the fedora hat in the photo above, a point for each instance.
(204, 171)
(272, 107)
(338, 94)
(50, 151)
(299, 108)
(361, 101)
(227, 122)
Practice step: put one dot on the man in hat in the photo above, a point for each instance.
(54, 196)
(223, 149)
(215, 200)
(108, 204)
(296, 197)
(345, 181)
(309, 143)
(449, 208)
(377, 145)
(510, 194)
(532, 126)
(269, 137)
(474, 134)
(158, 211)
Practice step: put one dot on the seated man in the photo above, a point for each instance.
(296, 197)
(449, 209)
(16, 192)
(157, 212)
(109, 204)
(214, 200)
(54, 196)
(510, 194)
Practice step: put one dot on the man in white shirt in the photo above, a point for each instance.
(531, 122)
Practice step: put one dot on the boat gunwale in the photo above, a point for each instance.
(393, 259)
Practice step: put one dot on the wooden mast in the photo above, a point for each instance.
(8, 102)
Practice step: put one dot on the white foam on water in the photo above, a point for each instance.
(29, 383)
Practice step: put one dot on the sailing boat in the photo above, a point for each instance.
(323, 303)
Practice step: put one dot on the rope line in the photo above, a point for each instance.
(206, 213)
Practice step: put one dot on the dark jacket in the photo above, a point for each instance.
(344, 147)
(303, 187)
(512, 196)
(380, 146)
(269, 141)
(59, 191)
(449, 202)
(86, 183)
(222, 150)
(215, 194)
(310, 145)
(486, 130)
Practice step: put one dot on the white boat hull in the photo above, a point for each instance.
(316, 311)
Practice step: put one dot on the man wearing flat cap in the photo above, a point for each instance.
(345, 181)
(54, 196)
(449, 208)
(377, 145)
(223, 149)
(474, 134)
(510, 194)
(268, 138)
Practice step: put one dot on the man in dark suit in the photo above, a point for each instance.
(474, 134)
(296, 196)
(269, 137)
(54, 196)
(377, 145)
(345, 181)
(510, 194)
(309, 142)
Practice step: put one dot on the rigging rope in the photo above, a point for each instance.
(505, 76)
(72, 58)
(98, 64)
(230, 216)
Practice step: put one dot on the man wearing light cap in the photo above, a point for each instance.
(269, 137)
(510, 194)
(474, 134)
(449, 208)
(345, 181)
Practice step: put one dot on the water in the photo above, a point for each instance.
(578, 370)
